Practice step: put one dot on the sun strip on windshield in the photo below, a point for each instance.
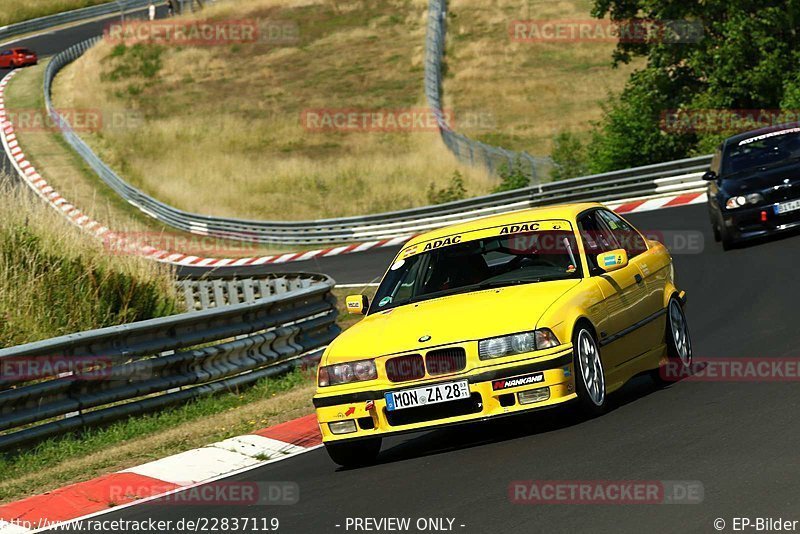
(483, 233)
(769, 135)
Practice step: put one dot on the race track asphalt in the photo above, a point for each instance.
(739, 440)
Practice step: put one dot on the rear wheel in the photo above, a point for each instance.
(355, 453)
(679, 345)
(590, 382)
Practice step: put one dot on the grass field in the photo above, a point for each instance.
(221, 131)
(19, 10)
(527, 92)
(65, 171)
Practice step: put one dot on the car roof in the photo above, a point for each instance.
(568, 212)
(736, 139)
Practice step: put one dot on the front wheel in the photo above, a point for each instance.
(356, 453)
(590, 382)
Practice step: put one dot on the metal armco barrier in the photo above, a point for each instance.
(671, 177)
(43, 23)
(203, 294)
(116, 372)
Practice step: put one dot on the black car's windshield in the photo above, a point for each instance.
(500, 261)
(767, 150)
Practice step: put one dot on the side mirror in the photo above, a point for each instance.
(710, 176)
(613, 261)
(357, 304)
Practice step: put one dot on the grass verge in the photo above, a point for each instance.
(54, 281)
(20, 10)
(135, 441)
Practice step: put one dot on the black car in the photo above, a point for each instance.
(754, 184)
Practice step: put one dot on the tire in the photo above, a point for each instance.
(679, 346)
(590, 378)
(725, 236)
(357, 453)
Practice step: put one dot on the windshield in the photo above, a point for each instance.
(499, 261)
(768, 150)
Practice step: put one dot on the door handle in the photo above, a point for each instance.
(638, 278)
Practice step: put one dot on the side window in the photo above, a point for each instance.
(5, 53)
(596, 238)
(630, 239)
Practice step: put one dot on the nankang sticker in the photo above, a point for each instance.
(517, 381)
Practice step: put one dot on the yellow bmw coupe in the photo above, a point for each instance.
(499, 316)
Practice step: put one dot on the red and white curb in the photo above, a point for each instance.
(40, 186)
(161, 477)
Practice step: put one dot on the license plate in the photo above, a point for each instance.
(424, 396)
(786, 207)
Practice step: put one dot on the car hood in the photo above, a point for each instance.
(447, 320)
(764, 181)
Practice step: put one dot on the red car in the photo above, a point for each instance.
(17, 57)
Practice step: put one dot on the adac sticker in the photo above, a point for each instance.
(439, 243)
(543, 226)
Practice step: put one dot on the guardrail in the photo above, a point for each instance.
(465, 149)
(135, 368)
(50, 21)
(203, 294)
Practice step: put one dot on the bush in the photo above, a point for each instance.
(456, 190)
(512, 177)
(569, 157)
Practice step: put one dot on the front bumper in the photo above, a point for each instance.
(747, 223)
(368, 407)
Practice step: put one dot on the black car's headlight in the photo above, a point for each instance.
(497, 347)
(344, 373)
(743, 200)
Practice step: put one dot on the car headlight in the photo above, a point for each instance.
(344, 373)
(497, 347)
(743, 200)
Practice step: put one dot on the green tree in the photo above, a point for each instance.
(512, 176)
(746, 58)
